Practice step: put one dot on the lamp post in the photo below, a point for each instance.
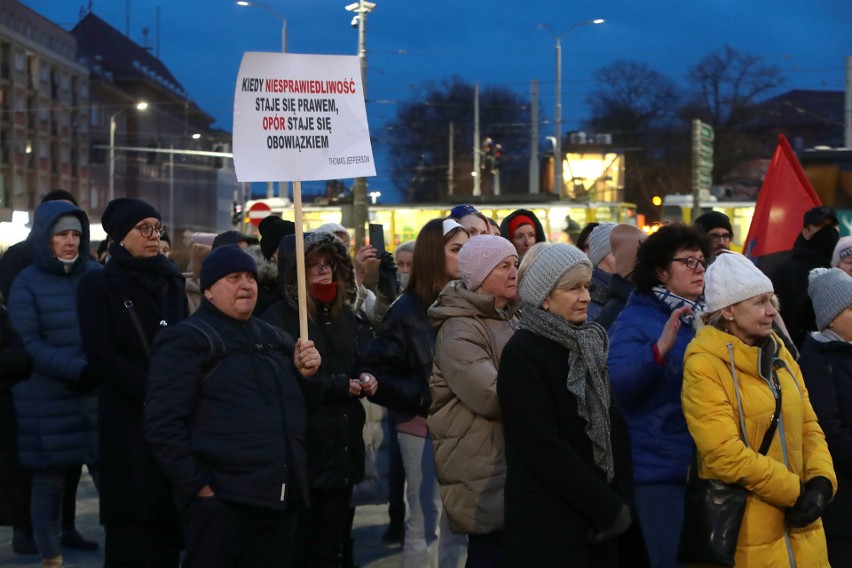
(142, 105)
(557, 153)
(359, 187)
(283, 186)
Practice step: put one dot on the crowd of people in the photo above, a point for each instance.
(515, 402)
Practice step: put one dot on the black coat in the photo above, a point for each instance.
(554, 491)
(235, 419)
(132, 486)
(401, 358)
(335, 436)
(790, 281)
(16, 258)
(827, 370)
(15, 366)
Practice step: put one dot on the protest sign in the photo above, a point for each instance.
(300, 118)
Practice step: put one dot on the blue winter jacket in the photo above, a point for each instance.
(57, 426)
(649, 392)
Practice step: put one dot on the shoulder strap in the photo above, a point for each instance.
(770, 433)
(217, 350)
(138, 325)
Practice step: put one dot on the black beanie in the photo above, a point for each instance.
(713, 220)
(223, 261)
(272, 229)
(59, 195)
(122, 214)
(233, 238)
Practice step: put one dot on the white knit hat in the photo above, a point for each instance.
(841, 250)
(480, 255)
(830, 290)
(599, 245)
(545, 271)
(733, 278)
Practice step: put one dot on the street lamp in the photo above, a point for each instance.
(141, 105)
(359, 187)
(277, 14)
(374, 195)
(557, 157)
(283, 186)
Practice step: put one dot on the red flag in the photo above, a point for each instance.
(784, 198)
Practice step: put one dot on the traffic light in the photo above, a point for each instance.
(237, 214)
(498, 154)
(487, 154)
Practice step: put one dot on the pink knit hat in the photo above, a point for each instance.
(480, 255)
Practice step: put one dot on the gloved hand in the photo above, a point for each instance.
(388, 284)
(618, 527)
(87, 382)
(811, 503)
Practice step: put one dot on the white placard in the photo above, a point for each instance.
(300, 118)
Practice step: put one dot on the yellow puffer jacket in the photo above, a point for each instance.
(710, 406)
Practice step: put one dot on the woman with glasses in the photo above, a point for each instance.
(335, 415)
(647, 343)
(122, 307)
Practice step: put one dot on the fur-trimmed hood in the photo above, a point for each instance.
(316, 243)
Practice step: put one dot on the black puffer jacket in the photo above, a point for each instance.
(401, 358)
(335, 419)
(827, 370)
(235, 422)
(617, 294)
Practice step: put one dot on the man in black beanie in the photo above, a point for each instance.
(14, 261)
(223, 370)
(718, 229)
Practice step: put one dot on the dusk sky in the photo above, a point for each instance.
(494, 42)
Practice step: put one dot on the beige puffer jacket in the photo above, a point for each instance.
(464, 418)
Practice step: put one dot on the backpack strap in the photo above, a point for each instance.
(217, 350)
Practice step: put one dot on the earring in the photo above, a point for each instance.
(730, 318)
(121, 244)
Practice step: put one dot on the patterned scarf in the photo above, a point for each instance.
(588, 379)
(672, 301)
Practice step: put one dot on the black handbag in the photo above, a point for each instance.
(713, 509)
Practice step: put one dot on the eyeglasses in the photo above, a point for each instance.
(722, 237)
(319, 267)
(147, 230)
(692, 262)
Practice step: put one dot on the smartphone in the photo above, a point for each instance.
(377, 238)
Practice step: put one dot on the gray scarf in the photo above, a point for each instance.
(588, 378)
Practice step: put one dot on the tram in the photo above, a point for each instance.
(678, 207)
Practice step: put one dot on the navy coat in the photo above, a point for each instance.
(649, 391)
(827, 370)
(57, 425)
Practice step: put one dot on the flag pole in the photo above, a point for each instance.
(300, 261)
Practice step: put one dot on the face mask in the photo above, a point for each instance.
(403, 280)
(825, 239)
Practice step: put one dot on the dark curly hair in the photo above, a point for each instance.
(657, 251)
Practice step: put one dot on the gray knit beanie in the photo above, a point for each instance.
(480, 255)
(545, 271)
(731, 279)
(830, 290)
(599, 245)
(67, 223)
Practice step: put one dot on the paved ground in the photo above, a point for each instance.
(370, 523)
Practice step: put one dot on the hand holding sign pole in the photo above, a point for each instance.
(300, 118)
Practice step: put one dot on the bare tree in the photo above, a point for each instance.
(419, 139)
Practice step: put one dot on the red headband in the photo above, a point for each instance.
(519, 220)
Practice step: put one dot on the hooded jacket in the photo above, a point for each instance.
(335, 443)
(504, 226)
(797, 454)
(57, 425)
(464, 419)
